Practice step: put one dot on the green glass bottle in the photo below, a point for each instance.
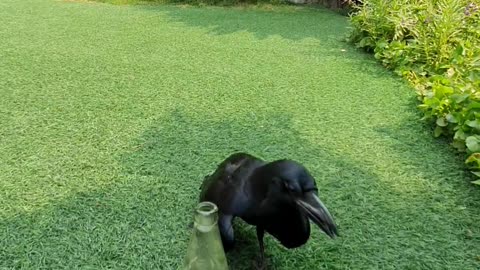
(205, 251)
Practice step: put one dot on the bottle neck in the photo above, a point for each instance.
(206, 216)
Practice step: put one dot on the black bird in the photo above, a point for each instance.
(279, 198)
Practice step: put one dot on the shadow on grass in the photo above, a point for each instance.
(189, 147)
(317, 32)
(142, 220)
(288, 22)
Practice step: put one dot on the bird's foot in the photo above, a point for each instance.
(259, 264)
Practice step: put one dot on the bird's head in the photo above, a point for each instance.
(293, 182)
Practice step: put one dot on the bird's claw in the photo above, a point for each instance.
(259, 264)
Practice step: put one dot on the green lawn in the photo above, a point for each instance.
(111, 116)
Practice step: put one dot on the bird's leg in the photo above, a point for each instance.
(226, 231)
(260, 233)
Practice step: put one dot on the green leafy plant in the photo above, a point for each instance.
(435, 45)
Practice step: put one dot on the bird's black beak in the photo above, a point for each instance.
(318, 213)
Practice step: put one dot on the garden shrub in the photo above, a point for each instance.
(435, 45)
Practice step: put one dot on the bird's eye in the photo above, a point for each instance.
(289, 187)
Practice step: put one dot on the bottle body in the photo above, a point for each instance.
(205, 250)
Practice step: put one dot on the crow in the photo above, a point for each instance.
(278, 197)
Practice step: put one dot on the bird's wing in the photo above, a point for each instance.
(224, 187)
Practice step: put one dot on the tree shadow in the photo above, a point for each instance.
(374, 215)
(142, 220)
(291, 23)
(314, 33)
